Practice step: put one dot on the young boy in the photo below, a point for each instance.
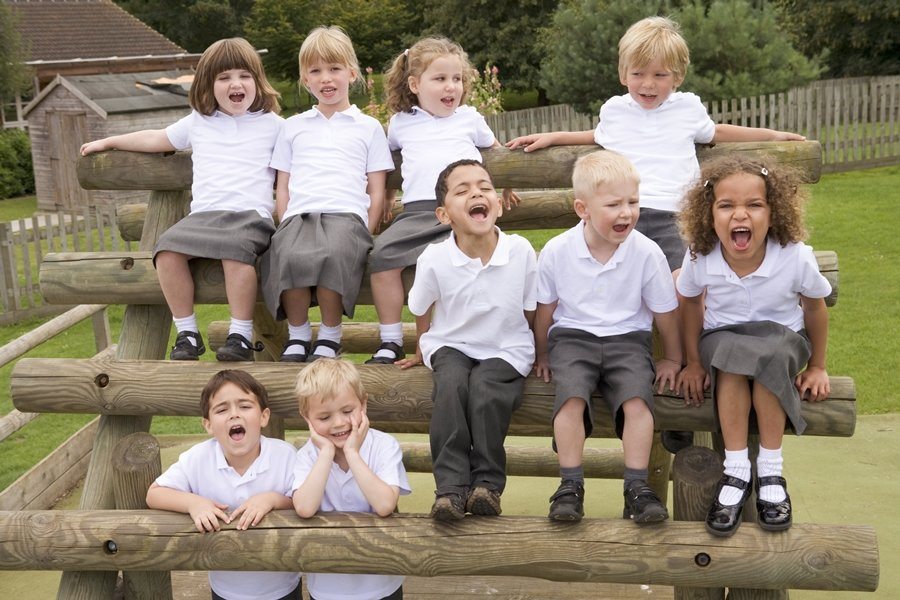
(474, 301)
(345, 466)
(236, 474)
(600, 287)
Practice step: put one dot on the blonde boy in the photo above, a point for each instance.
(345, 466)
(601, 286)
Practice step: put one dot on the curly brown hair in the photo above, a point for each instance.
(784, 194)
(414, 61)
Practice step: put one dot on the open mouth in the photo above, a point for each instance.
(479, 212)
(327, 91)
(448, 101)
(621, 228)
(341, 435)
(237, 432)
(236, 97)
(740, 237)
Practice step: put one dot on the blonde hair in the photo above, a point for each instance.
(784, 195)
(329, 45)
(654, 38)
(224, 55)
(413, 62)
(324, 379)
(598, 169)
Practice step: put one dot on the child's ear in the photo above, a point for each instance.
(413, 83)
(264, 417)
(442, 216)
(206, 425)
(581, 209)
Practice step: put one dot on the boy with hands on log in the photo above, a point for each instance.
(238, 475)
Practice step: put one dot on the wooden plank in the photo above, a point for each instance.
(12, 299)
(13, 421)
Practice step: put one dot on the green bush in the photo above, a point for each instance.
(16, 174)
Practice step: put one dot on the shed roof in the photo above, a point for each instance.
(56, 30)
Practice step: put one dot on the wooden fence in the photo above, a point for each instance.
(857, 120)
(23, 244)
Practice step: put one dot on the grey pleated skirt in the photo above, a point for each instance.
(313, 249)
(220, 234)
(764, 351)
(401, 244)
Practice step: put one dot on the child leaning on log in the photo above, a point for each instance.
(753, 314)
(474, 301)
(601, 286)
(238, 475)
(231, 130)
(345, 466)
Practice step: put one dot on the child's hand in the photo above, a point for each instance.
(787, 136)
(542, 367)
(813, 380)
(666, 374)
(253, 510)
(529, 143)
(510, 198)
(388, 212)
(413, 360)
(319, 441)
(206, 514)
(691, 382)
(91, 147)
(359, 429)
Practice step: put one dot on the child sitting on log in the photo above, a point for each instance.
(753, 315)
(474, 301)
(238, 475)
(601, 286)
(345, 466)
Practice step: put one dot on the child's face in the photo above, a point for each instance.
(235, 91)
(330, 417)
(609, 215)
(330, 84)
(440, 87)
(471, 205)
(235, 420)
(742, 217)
(651, 84)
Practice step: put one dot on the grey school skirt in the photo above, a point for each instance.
(220, 234)
(401, 244)
(313, 249)
(764, 351)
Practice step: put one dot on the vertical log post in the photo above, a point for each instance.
(268, 331)
(136, 464)
(145, 335)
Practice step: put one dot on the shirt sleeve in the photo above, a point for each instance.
(687, 283)
(388, 463)
(812, 283)
(282, 152)
(529, 300)
(306, 459)
(179, 132)
(705, 127)
(425, 289)
(546, 282)
(178, 475)
(482, 134)
(379, 156)
(393, 142)
(659, 289)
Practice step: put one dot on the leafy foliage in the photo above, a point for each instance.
(16, 174)
(14, 75)
(192, 24)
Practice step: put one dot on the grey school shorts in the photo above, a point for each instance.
(620, 367)
(661, 226)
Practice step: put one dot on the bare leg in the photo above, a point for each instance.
(637, 433)
(568, 431)
(388, 295)
(769, 416)
(240, 288)
(296, 303)
(330, 305)
(176, 282)
(733, 404)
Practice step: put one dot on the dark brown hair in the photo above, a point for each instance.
(440, 188)
(242, 379)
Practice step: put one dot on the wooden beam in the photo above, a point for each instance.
(808, 556)
(145, 387)
(549, 168)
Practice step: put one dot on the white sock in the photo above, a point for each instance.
(298, 332)
(391, 332)
(737, 464)
(331, 334)
(769, 463)
(188, 323)
(245, 328)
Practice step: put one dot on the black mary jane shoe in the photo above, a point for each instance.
(723, 520)
(773, 516)
(296, 358)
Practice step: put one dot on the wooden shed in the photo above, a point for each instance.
(72, 110)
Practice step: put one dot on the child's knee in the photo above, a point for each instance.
(636, 409)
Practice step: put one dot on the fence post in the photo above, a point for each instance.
(11, 298)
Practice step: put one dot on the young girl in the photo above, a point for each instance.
(231, 130)
(332, 162)
(425, 86)
(764, 319)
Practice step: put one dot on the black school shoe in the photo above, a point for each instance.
(567, 503)
(313, 357)
(642, 505)
(237, 348)
(723, 520)
(773, 516)
(384, 360)
(185, 349)
(295, 358)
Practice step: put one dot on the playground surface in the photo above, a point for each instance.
(831, 480)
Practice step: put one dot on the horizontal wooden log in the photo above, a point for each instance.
(129, 278)
(173, 388)
(356, 337)
(808, 556)
(549, 168)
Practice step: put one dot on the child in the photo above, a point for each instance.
(345, 466)
(231, 130)
(236, 474)
(426, 87)
(332, 162)
(764, 319)
(474, 301)
(601, 286)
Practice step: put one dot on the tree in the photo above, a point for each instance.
(15, 76)
(500, 32)
(860, 35)
(192, 24)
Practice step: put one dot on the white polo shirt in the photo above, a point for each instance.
(203, 470)
(478, 309)
(605, 299)
(381, 452)
(328, 159)
(230, 159)
(428, 144)
(771, 293)
(660, 143)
